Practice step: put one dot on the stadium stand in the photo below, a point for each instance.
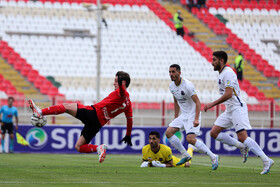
(56, 38)
(73, 54)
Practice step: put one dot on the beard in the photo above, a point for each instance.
(217, 67)
(153, 145)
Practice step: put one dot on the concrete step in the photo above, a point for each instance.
(259, 84)
(254, 78)
(21, 84)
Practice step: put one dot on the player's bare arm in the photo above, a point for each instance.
(1, 120)
(16, 123)
(176, 108)
(197, 110)
(169, 163)
(227, 95)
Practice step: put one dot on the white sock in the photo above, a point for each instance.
(227, 139)
(193, 147)
(175, 142)
(202, 147)
(255, 148)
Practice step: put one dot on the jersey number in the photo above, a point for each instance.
(124, 105)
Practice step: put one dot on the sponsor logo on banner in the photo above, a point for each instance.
(37, 138)
(62, 139)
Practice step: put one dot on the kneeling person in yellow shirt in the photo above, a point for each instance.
(159, 155)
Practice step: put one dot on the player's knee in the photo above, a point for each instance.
(77, 147)
(213, 134)
(169, 132)
(11, 136)
(67, 106)
(242, 138)
(191, 140)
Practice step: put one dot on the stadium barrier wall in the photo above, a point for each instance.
(62, 139)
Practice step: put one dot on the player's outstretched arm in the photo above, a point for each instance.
(129, 123)
(127, 138)
(227, 95)
(197, 110)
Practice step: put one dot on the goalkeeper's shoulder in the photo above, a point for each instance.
(165, 148)
(146, 148)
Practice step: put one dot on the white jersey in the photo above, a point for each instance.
(227, 78)
(183, 94)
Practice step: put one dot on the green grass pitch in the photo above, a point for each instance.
(123, 170)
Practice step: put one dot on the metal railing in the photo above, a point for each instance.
(263, 115)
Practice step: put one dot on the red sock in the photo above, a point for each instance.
(57, 109)
(88, 148)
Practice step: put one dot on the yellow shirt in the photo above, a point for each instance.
(163, 155)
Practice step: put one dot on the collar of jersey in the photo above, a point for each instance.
(157, 151)
(181, 80)
(223, 69)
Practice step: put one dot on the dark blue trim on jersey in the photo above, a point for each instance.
(240, 130)
(239, 101)
(241, 104)
(190, 133)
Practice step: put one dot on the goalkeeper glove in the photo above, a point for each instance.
(158, 164)
(144, 164)
(127, 140)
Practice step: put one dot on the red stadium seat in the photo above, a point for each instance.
(53, 91)
(25, 71)
(260, 96)
(268, 71)
(44, 90)
(183, 2)
(32, 76)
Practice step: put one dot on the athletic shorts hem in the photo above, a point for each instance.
(87, 115)
(7, 127)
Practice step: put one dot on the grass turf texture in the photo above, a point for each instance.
(124, 170)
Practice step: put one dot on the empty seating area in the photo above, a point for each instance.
(244, 4)
(136, 41)
(260, 30)
(238, 43)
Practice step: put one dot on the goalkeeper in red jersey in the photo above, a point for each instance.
(94, 117)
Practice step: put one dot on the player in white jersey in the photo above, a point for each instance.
(236, 113)
(186, 100)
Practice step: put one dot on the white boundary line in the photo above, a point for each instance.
(229, 166)
(205, 183)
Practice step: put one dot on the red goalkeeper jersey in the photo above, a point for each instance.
(114, 104)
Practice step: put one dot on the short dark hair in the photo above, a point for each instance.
(221, 55)
(155, 133)
(125, 76)
(11, 98)
(178, 68)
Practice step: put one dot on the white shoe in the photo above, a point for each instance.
(101, 150)
(36, 110)
(244, 152)
(266, 166)
(215, 162)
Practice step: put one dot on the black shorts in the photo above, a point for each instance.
(87, 115)
(7, 127)
(180, 31)
(240, 75)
